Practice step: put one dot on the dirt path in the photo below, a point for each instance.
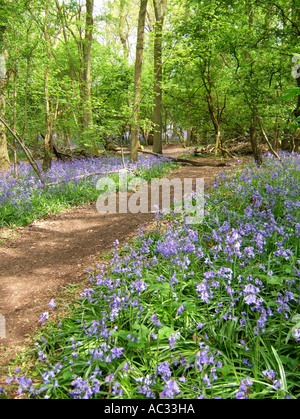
(46, 256)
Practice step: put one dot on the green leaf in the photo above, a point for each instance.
(226, 370)
(123, 334)
(275, 280)
(165, 332)
(290, 362)
(142, 329)
(288, 269)
(290, 93)
(281, 370)
(67, 374)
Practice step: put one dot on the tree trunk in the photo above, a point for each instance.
(134, 141)
(254, 141)
(62, 16)
(48, 146)
(160, 8)
(48, 143)
(87, 50)
(189, 131)
(15, 100)
(215, 113)
(218, 140)
(4, 158)
(84, 45)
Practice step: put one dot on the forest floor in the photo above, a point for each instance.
(47, 258)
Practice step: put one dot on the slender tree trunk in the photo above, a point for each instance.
(28, 64)
(48, 146)
(62, 15)
(134, 141)
(160, 8)
(189, 131)
(87, 50)
(15, 100)
(216, 116)
(254, 141)
(251, 102)
(4, 158)
(218, 140)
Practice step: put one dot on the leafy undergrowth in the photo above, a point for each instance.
(24, 199)
(205, 311)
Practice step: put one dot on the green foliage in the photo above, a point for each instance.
(290, 93)
(216, 54)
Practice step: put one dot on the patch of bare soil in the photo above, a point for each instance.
(38, 261)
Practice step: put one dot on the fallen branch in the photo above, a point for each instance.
(197, 163)
(267, 140)
(26, 151)
(186, 161)
(227, 152)
(60, 155)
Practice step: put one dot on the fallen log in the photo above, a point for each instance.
(60, 155)
(185, 161)
(198, 163)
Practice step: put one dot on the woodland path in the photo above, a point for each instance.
(38, 262)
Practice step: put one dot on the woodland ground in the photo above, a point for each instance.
(49, 258)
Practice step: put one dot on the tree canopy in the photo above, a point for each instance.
(211, 72)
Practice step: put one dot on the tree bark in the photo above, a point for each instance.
(254, 141)
(134, 141)
(87, 51)
(84, 122)
(160, 9)
(84, 45)
(48, 145)
(48, 141)
(4, 158)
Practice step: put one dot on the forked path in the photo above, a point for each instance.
(44, 257)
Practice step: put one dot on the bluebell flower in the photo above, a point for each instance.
(155, 320)
(52, 304)
(163, 369)
(173, 339)
(44, 317)
(171, 390)
(181, 309)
